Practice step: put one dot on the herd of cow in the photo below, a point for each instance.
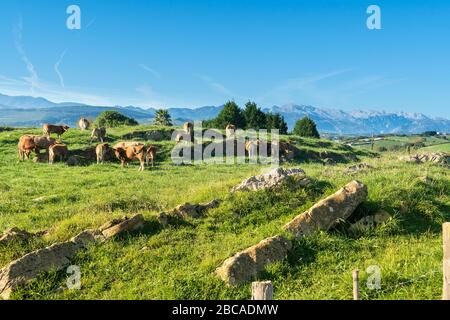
(125, 152)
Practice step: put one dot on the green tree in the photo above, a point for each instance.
(230, 114)
(163, 118)
(276, 121)
(306, 127)
(254, 117)
(111, 119)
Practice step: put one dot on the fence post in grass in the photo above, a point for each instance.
(262, 290)
(446, 262)
(355, 284)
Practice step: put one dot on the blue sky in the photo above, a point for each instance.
(195, 53)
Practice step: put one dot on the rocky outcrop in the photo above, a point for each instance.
(14, 234)
(150, 135)
(325, 214)
(329, 162)
(371, 221)
(27, 268)
(246, 265)
(357, 168)
(117, 226)
(195, 211)
(187, 210)
(271, 179)
(57, 256)
(432, 157)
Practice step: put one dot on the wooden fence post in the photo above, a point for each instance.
(356, 284)
(446, 261)
(262, 290)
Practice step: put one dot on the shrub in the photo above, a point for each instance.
(230, 114)
(163, 118)
(113, 119)
(306, 127)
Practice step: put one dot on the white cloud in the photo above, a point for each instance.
(58, 72)
(216, 86)
(318, 89)
(150, 70)
(33, 78)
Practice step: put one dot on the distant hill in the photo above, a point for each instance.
(24, 111)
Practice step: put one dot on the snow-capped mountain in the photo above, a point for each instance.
(362, 122)
(30, 111)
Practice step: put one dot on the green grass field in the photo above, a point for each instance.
(178, 262)
(445, 147)
(399, 143)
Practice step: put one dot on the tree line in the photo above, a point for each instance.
(250, 117)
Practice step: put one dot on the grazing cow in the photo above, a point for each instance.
(25, 146)
(57, 151)
(83, 124)
(123, 145)
(130, 153)
(98, 134)
(48, 129)
(29, 143)
(44, 142)
(150, 155)
(102, 152)
(230, 130)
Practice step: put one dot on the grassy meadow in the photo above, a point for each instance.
(178, 262)
(400, 143)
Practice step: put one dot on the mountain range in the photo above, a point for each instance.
(26, 111)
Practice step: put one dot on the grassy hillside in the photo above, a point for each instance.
(444, 147)
(178, 262)
(398, 143)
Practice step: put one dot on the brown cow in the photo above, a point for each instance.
(25, 146)
(123, 145)
(48, 129)
(43, 142)
(57, 151)
(150, 152)
(28, 143)
(98, 134)
(102, 152)
(128, 154)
